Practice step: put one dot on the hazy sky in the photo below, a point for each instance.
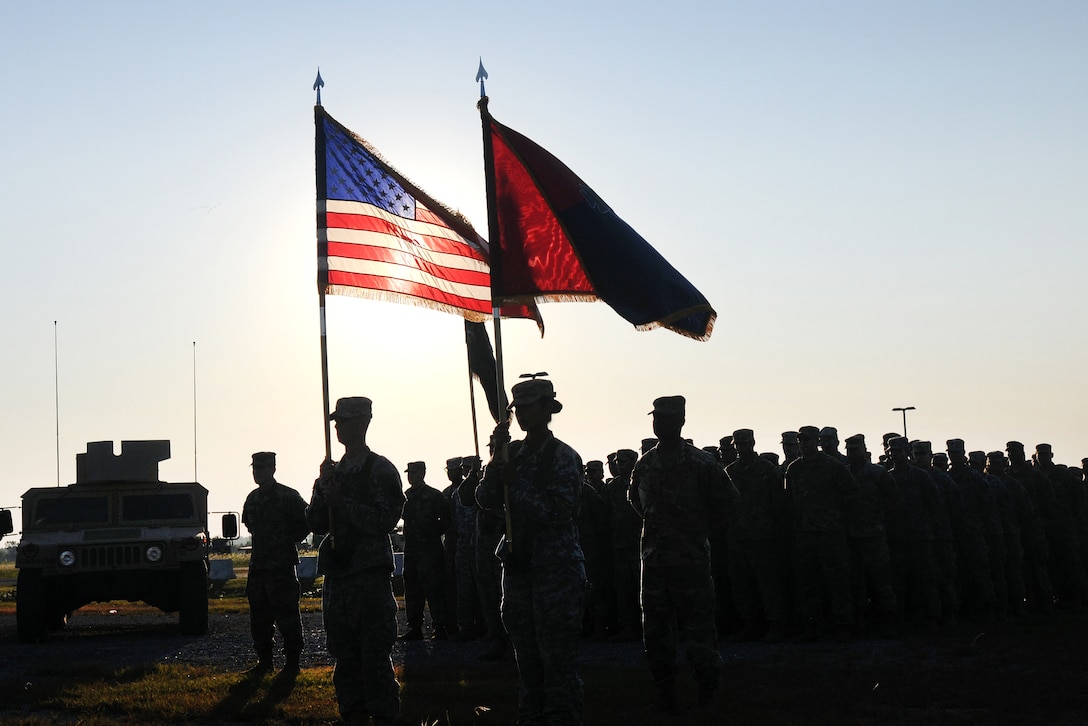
(884, 201)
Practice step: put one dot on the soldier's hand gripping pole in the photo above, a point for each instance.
(502, 456)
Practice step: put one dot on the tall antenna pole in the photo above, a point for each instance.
(195, 478)
(56, 395)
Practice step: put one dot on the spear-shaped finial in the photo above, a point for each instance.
(318, 85)
(481, 75)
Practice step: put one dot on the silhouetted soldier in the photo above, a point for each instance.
(426, 518)
(870, 565)
(973, 556)
(594, 537)
(940, 462)
(489, 530)
(821, 491)
(727, 451)
(626, 528)
(946, 518)
(885, 460)
(1033, 498)
(449, 542)
(361, 494)
(276, 517)
(470, 617)
(1010, 525)
(680, 493)
(754, 572)
(910, 536)
(543, 573)
(791, 450)
(829, 443)
(995, 534)
(726, 616)
(1066, 571)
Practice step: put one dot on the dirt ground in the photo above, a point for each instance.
(1031, 671)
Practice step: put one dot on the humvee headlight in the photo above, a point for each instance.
(66, 558)
(153, 553)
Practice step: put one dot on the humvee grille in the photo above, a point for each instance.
(111, 555)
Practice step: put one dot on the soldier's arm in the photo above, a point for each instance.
(317, 513)
(633, 490)
(299, 526)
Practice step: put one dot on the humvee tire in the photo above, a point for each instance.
(30, 621)
(193, 601)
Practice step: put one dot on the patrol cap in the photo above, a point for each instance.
(1014, 445)
(789, 437)
(898, 442)
(996, 456)
(673, 405)
(977, 456)
(940, 456)
(727, 441)
(629, 454)
(956, 445)
(1044, 448)
(353, 407)
(744, 435)
(648, 444)
(533, 390)
(454, 463)
(595, 465)
(857, 440)
(888, 437)
(921, 446)
(470, 460)
(612, 457)
(829, 432)
(712, 450)
(808, 432)
(419, 466)
(264, 458)
(770, 456)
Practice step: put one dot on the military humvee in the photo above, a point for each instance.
(118, 533)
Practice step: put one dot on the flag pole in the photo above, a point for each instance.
(472, 394)
(495, 263)
(323, 277)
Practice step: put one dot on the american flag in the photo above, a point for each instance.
(380, 236)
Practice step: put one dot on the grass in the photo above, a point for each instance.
(167, 694)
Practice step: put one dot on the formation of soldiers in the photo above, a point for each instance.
(677, 546)
(823, 543)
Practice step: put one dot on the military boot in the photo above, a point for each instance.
(291, 667)
(262, 667)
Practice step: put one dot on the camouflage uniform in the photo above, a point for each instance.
(625, 527)
(489, 529)
(754, 572)
(947, 512)
(821, 490)
(871, 567)
(680, 496)
(469, 613)
(1066, 571)
(543, 581)
(359, 609)
(915, 572)
(276, 517)
(1032, 495)
(594, 537)
(426, 518)
(1005, 502)
(973, 556)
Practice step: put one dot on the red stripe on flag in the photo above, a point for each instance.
(398, 257)
(406, 288)
(366, 223)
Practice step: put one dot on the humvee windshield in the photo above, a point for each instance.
(152, 507)
(72, 510)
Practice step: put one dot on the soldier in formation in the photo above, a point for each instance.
(276, 517)
(426, 518)
(357, 503)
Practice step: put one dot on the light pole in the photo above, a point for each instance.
(904, 409)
